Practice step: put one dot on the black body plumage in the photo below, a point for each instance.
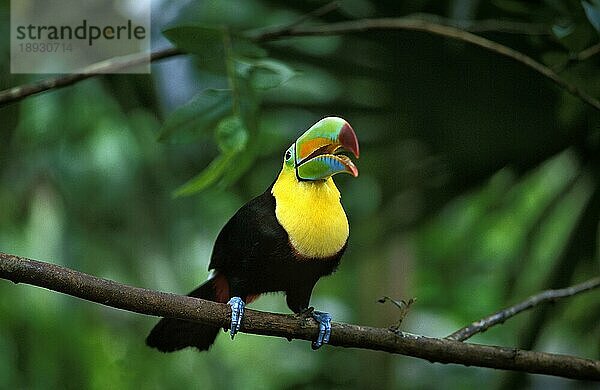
(254, 255)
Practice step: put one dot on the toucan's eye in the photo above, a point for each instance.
(288, 155)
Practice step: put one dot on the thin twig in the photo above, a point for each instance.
(402, 305)
(486, 25)
(13, 95)
(412, 24)
(589, 52)
(581, 56)
(139, 300)
(278, 30)
(531, 302)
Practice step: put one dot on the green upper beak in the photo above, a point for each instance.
(317, 150)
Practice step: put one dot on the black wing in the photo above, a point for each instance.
(251, 238)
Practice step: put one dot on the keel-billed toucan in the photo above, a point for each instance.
(282, 240)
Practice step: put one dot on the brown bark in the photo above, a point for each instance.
(144, 301)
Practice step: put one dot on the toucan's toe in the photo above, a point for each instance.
(324, 320)
(237, 312)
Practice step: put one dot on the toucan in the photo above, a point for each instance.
(283, 240)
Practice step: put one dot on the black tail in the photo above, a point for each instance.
(171, 335)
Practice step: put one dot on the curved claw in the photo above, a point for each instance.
(324, 320)
(237, 312)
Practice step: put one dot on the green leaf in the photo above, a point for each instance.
(206, 42)
(196, 117)
(264, 73)
(592, 11)
(562, 32)
(248, 104)
(202, 40)
(243, 47)
(555, 58)
(241, 166)
(231, 135)
(207, 177)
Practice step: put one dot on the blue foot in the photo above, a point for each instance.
(324, 320)
(237, 312)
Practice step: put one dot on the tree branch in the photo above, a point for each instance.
(415, 24)
(588, 53)
(15, 94)
(581, 56)
(486, 25)
(139, 300)
(531, 302)
(405, 23)
(321, 11)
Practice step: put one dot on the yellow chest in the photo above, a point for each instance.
(311, 214)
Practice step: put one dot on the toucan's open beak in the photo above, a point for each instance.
(318, 150)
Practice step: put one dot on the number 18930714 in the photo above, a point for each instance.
(45, 47)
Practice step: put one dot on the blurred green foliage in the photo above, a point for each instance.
(479, 186)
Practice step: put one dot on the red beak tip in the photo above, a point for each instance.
(348, 139)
